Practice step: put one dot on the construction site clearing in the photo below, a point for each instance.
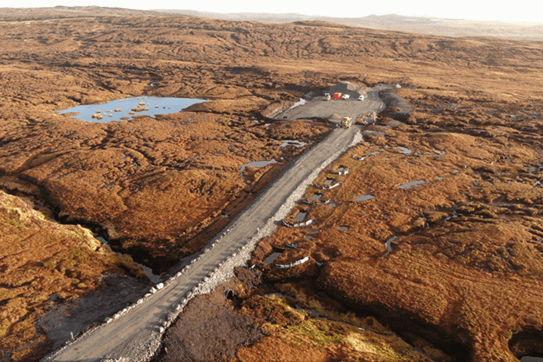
(350, 103)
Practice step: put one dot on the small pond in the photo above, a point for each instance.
(125, 109)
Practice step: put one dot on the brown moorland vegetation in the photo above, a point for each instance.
(44, 263)
(463, 277)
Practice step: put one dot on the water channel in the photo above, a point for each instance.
(148, 271)
(125, 109)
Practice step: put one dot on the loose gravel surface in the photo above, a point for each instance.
(136, 335)
(317, 108)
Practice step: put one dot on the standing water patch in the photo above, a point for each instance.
(270, 259)
(125, 109)
(388, 244)
(298, 144)
(316, 197)
(152, 277)
(410, 184)
(300, 216)
(255, 164)
(364, 198)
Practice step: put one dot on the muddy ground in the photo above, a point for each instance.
(464, 270)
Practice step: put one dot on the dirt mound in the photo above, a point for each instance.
(210, 329)
(349, 88)
(397, 107)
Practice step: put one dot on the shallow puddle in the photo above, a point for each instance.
(300, 216)
(52, 298)
(316, 197)
(364, 198)
(270, 259)
(410, 184)
(153, 277)
(388, 244)
(298, 144)
(256, 164)
(405, 151)
(124, 109)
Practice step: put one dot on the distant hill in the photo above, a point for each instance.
(74, 11)
(414, 24)
(425, 25)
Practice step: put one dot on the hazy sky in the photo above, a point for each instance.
(518, 10)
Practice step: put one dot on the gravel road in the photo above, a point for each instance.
(136, 335)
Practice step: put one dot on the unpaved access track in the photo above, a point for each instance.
(317, 108)
(136, 335)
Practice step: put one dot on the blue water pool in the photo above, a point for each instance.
(125, 109)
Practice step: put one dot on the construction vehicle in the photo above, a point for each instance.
(345, 96)
(367, 118)
(326, 97)
(338, 95)
(346, 122)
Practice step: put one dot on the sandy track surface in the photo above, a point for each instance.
(136, 335)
